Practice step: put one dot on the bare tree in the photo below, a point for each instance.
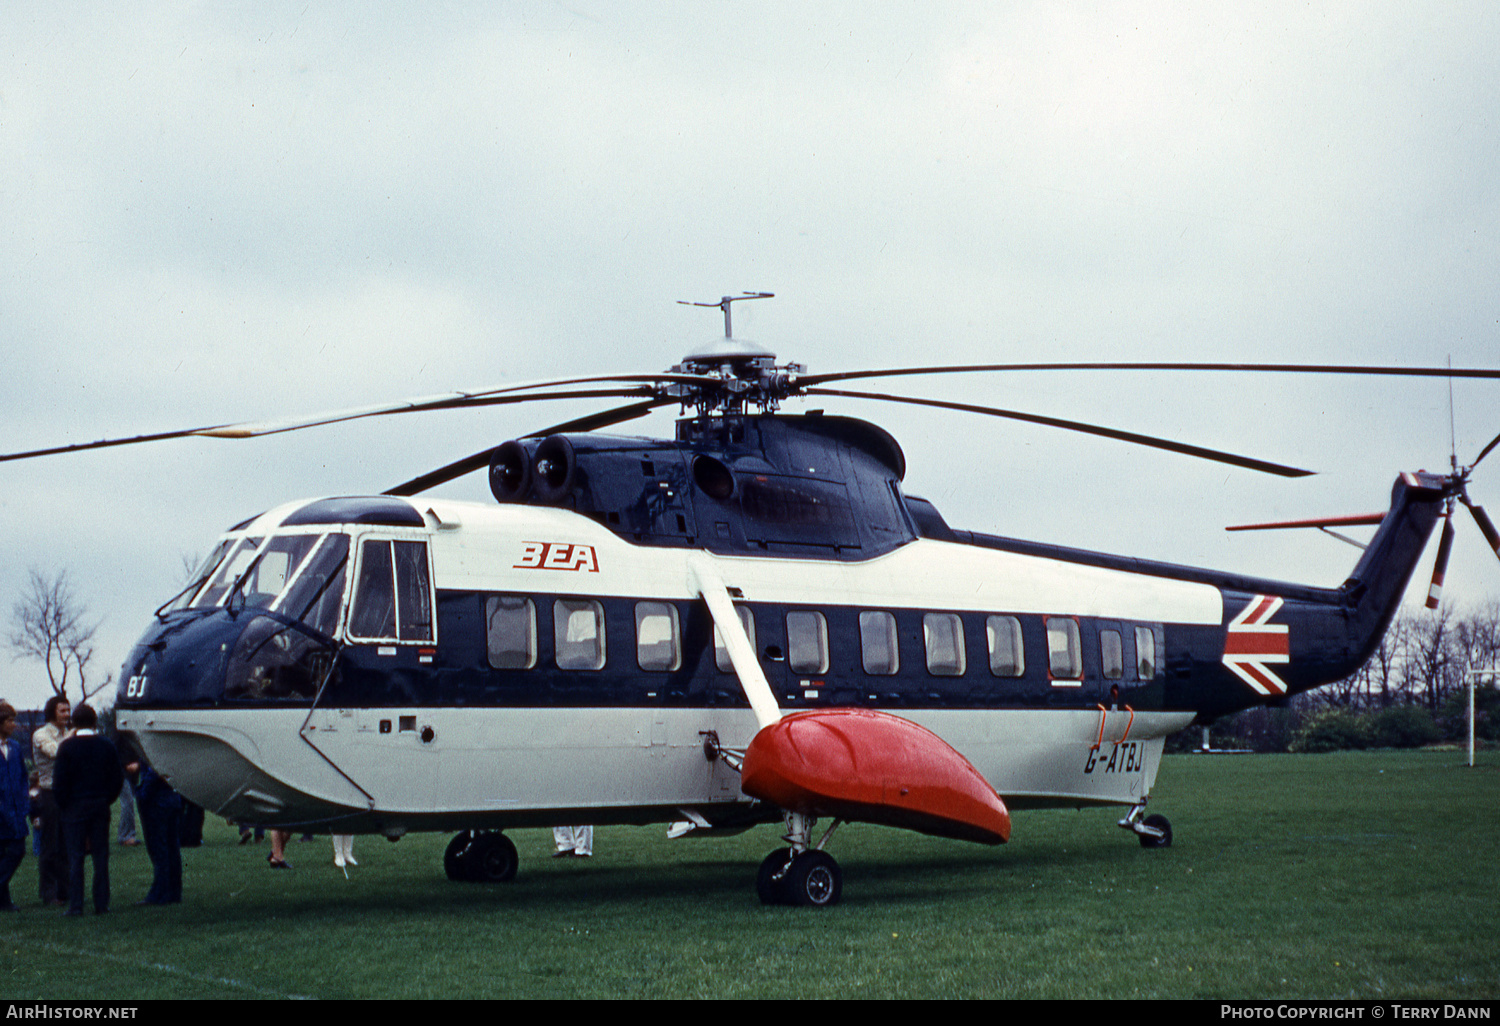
(49, 624)
(1383, 670)
(1479, 637)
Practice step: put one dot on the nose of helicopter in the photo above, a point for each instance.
(219, 656)
(202, 695)
(180, 660)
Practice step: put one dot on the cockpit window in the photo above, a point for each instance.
(230, 569)
(276, 565)
(205, 570)
(393, 598)
(317, 593)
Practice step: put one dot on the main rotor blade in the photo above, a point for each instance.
(481, 459)
(456, 400)
(1485, 451)
(105, 443)
(257, 429)
(1269, 368)
(1091, 429)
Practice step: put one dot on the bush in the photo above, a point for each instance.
(1401, 726)
(1455, 714)
(1329, 731)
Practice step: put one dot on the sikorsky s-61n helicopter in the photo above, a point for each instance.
(749, 622)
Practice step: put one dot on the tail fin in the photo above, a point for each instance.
(1373, 592)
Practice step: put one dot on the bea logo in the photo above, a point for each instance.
(557, 556)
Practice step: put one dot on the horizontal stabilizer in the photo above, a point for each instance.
(872, 767)
(1360, 520)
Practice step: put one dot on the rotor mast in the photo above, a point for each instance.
(739, 371)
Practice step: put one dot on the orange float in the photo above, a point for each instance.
(872, 767)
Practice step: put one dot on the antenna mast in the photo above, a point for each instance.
(743, 371)
(723, 304)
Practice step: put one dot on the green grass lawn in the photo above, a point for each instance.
(1350, 875)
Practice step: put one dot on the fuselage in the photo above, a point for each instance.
(384, 664)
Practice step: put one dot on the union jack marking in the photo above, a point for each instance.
(1251, 643)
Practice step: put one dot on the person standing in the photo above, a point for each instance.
(52, 856)
(573, 840)
(86, 781)
(277, 858)
(161, 822)
(15, 802)
(126, 830)
(343, 850)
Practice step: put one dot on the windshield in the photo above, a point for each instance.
(276, 564)
(184, 598)
(317, 594)
(230, 568)
(300, 575)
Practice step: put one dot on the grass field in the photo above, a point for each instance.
(1349, 875)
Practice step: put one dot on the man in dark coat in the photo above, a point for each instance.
(15, 800)
(86, 781)
(161, 820)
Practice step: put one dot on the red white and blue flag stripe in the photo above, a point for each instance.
(1251, 643)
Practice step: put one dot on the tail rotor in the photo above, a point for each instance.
(1486, 525)
(1445, 547)
(1459, 493)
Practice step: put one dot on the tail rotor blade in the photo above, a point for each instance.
(1487, 526)
(1440, 570)
(1485, 452)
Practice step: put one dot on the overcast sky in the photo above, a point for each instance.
(221, 212)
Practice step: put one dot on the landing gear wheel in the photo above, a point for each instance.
(1160, 823)
(492, 858)
(770, 882)
(456, 858)
(814, 880)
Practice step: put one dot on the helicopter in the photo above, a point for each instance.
(750, 622)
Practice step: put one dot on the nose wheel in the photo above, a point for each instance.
(479, 856)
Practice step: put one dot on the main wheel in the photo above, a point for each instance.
(1165, 840)
(770, 882)
(456, 858)
(492, 859)
(815, 880)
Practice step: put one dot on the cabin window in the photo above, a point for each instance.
(1145, 653)
(807, 642)
(658, 643)
(510, 632)
(721, 651)
(877, 643)
(1111, 655)
(578, 634)
(944, 636)
(1003, 633)
(393, 599)
(1064, 655)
